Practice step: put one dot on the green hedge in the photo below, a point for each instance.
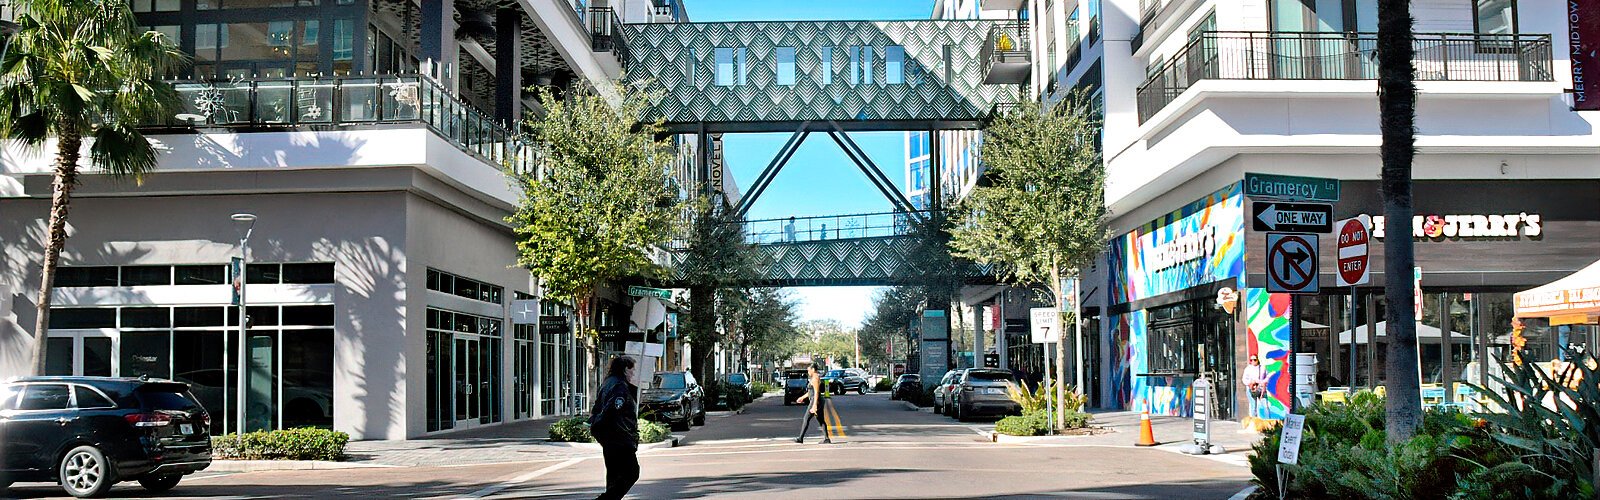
(883, 385)
(575, 429)
(289, 444)
(1034, 423)
(759, 388)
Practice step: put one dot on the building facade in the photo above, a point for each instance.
(1196, 94)
(368, 139)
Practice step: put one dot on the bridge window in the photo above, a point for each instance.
(860, 65)
(690, 64)
(894, 65)
(827, 65)
(730, 66)
(785, 65)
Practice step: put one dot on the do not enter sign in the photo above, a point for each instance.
(1354, 268)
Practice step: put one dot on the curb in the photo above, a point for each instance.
(265, 465)
(912, 407)
(670, 442)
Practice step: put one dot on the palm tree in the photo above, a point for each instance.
(1397, 112)
(81, 71)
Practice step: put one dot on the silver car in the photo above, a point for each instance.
(941, 392)
(982, 392)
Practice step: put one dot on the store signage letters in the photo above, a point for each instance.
(1469, 226)
(1184, 248)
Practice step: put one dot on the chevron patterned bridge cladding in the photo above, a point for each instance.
(874, 261)
(943, 86)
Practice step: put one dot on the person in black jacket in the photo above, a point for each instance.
(614, 423)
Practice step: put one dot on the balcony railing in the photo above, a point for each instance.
(351, 101)
(830, 227)
(1220, 55)
(1006, 53)
(605, 32)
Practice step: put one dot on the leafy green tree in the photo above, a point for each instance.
(1042, 218)
(1397, 117)
(766, 323)
(894, 309)
(599, 200)
(826, 338)
(76, 70)
(718, 259)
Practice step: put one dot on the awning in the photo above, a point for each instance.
(1574, 299)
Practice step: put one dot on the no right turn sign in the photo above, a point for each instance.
(1292, 263)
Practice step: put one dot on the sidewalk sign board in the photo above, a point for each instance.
(1202, 412)
(1289, 444)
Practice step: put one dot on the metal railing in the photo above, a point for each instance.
(830, 227)
(351, 101)
(605, 32)
(1233, 55)
(1007, 43)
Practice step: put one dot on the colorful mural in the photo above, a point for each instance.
(1198, 244)
(1267, 324)
(1201, 243)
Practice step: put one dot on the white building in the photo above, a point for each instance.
(1198, 93)
(367, 137)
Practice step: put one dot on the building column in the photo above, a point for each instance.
(508, 67)
(438, 40)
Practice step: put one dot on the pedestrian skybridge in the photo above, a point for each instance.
(829, 78)
(845, 250)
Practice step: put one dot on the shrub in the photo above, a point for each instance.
(725, 396)
(1075, 419)
(759, 388)
(574, 429)
(289, 444)
(1543, 444)
(1035, 423)
(883, 385)
(652, 432)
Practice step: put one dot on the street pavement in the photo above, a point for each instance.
(887, 451)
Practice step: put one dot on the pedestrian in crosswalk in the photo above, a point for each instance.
(816, 409)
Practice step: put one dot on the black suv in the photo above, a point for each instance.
(88, 433)
(839, 381)
(676, 399)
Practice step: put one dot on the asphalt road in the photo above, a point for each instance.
(887, 452)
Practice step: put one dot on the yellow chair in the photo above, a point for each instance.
(1333, 396)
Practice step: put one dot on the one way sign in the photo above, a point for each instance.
(1291, 217)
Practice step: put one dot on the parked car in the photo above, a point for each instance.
(840, 381)
(941, 392)
(906, 387)
(794, 386)
(676, 399)
(982, 392)
(738, 379)
(89, 433)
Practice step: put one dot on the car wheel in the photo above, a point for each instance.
(85, 473)
(681, 425)
(938, 410)
(961, 414)
(700, 419)
(159, 484)
(861, 389)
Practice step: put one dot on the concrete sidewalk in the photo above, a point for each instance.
(519, 441)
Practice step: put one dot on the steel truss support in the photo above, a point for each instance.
(767, 174)
(864, 163)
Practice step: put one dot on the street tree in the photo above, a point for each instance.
(767, 323)
(717, 258)
(598, 201)
(82, 72)
(894, 309)
(826, 338)
(1042, 217)
(1397, 114)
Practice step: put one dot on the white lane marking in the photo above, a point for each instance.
(496, 488)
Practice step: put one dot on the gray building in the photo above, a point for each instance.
(368, 138)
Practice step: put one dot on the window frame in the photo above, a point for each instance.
(779, 65)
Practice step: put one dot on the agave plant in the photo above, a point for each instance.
(1550, 421)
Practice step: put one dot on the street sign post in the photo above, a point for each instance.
(1292, 188)
(1291, 217)
(1354, 233)
(644, 291)
(1292, 263)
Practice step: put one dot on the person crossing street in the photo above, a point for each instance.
(816, 409)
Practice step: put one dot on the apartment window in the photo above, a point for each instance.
(827, 65)
(860, 65)
(730, 66)
(316, 273)
(146, 275)
(86, 276)
(894, 65)
(1495, 17)
(344, 52)
(466, 288)
(785, 65)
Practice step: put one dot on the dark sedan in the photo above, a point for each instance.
(794, 386)
(908, 387)
(674, 398)
(88, 433)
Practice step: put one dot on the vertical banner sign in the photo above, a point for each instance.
(1583, 32)
(236, 271)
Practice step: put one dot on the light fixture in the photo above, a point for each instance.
(190, 117)
(243, 217)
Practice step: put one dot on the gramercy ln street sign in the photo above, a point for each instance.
(1290, 188)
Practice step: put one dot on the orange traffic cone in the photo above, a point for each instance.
(1147, 435)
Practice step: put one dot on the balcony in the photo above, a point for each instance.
(269, 104)
(605, 33)
(1007, 56)
(1462, 57)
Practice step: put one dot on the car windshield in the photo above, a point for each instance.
(910, 377)
(737, 378)
(668, 381)
(975, 375)
(835, 373)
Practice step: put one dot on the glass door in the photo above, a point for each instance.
(1317, 39)
(81, 353)
(467, 360)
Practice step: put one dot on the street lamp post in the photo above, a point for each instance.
(239, 277)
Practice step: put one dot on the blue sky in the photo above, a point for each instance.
(820, 179)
